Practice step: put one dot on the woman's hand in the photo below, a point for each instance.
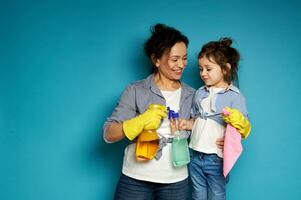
(220, 143)
(150, 119)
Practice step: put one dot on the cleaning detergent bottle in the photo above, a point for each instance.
(148, 140)
(180, 151)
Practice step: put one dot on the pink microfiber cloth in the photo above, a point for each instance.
(232, 147)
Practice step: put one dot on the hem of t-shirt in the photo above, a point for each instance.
(152, 179)
(207, 151)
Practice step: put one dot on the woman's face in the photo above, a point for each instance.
(171, 65)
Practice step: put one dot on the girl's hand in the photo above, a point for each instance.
(237, 120)
(185, 124)
(173, 126)
(182, 124)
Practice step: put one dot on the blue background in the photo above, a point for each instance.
(65, 63)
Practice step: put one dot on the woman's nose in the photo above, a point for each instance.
(181, 64)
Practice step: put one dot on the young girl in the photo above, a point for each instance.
(218, 63)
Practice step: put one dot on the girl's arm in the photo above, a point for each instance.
(185, 124)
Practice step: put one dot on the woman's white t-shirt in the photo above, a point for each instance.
(162, 170)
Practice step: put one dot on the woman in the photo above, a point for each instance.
(156, 178)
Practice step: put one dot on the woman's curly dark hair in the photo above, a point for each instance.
(162, 39)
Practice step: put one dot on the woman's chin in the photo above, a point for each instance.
(178, 76)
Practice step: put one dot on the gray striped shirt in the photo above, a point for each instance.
(138, 95)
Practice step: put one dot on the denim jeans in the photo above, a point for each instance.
(206, 173)
(132, 189)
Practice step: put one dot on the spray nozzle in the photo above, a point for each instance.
(172, 114)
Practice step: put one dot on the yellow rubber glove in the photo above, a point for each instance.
(148, 120)
(147, 145)
(237, 120)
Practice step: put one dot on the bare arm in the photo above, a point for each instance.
(188, 125)
(114, 132)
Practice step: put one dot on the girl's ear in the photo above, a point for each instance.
(226, 71)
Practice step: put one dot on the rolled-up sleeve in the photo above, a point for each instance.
(195, 109)
(241, 105)
(125, 109)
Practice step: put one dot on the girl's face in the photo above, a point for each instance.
(171, 65)
(211, 73)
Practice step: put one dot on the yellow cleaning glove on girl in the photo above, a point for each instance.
(237, 120)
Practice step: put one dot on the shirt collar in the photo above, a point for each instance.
(230, 87)
(233, 88)
(149, 83)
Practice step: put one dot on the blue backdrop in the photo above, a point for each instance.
(65, 63)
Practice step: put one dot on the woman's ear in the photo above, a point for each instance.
(228, 65)
(155, 61)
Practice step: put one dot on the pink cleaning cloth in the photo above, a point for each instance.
(232, 147)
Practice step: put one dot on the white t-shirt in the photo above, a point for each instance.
(162, 170)
(205, 132)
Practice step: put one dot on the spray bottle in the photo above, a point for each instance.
(180, 151)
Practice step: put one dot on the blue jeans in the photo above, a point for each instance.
(132, 189)
(206, 173)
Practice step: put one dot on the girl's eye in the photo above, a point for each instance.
(174, 60)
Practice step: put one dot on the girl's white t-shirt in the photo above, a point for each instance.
(205, 132)
(162, 170)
